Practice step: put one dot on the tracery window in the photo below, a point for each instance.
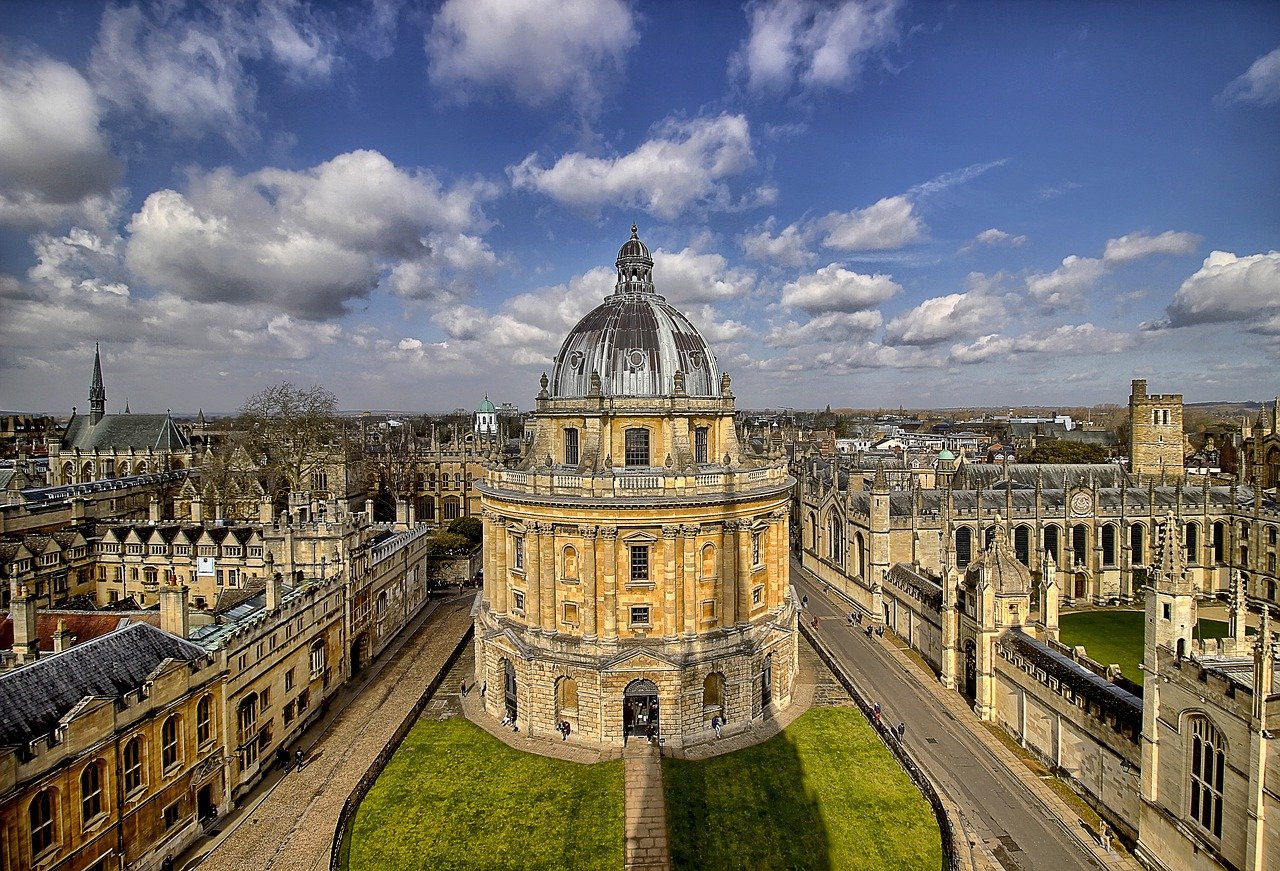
(1207, 763)
(169, 744)
(132, 765)
(91, 791)
(42, 821)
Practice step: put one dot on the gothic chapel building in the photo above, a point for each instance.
(636, 576)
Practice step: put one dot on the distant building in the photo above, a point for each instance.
(486, 422)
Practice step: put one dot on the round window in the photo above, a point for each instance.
(575, 360)
(636, 359)
(695, 360)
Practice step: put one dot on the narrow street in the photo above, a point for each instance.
(1000, 809)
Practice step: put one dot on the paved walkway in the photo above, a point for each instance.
(289, 823)
(1016, 821)
(646, 809)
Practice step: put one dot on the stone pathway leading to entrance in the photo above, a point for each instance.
(646, 809)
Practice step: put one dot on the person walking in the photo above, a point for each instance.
(804, 601)
(297, 757)
(902, 730)
(717, 723)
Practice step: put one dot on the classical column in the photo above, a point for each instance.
(533, 569)
(728, 570)
(610, 536)
(745, 565)
(692, 571)
(776, 558)
(548, 561)
(669, 625)
(589, 585)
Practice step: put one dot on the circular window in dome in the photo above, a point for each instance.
(695, 360)
(635, 359)
(575, 360)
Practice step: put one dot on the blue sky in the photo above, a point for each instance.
(859, 203)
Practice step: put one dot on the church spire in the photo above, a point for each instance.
(97, 393)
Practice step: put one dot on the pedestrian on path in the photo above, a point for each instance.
(462, 688)
(902, 730)
(298, 758)
(804, 601)
(875, 713)
(484, 688)
(282, 758)
(816, 618)
(717, 723)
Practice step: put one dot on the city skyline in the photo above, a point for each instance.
(861, 204)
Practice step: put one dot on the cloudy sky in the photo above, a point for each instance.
(861, 203)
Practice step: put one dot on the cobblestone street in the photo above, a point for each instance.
(290, 825)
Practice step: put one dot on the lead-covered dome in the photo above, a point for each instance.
(634, 340)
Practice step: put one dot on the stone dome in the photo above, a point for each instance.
(1003, 570)
(635, 341)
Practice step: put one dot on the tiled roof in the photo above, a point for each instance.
(122, 432)
(83, 626)
(35, 697)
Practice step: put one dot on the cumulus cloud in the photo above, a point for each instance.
(993, 237)
(306, 241)
(788, 248)
(1259, 84)
(1228, 288)
(945, 318)
(1137, 246)
(828, 328)
(185, 64)
(682, 164)
(689, 276)
(812, 44)
(835, 289)
(890, 223)
(1066, 286)
(54, 161)
(538, 52)
(1069, 339)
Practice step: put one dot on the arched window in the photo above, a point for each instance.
(813, 531)
(319, 659)
(1136, 545)
(860, 554)
(964, 546)
(1219, 542)
(1051, 542)
(1022, 544)
(204, 719)
(835, 538)
(452, 508)
(91, 792)
(1108, 545)
(1079, 544)
(567, 697)
(708, 560)
(570, 446)
(43, 827)
(1191, 538)
(636, 442)
(132, 764)
(170, 749)
(569, 563)
(713, 696)
(1207, 762)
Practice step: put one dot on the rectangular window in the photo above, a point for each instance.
(757, 548)
(639, 615)
(571, 613)
(517, 552)
(639, 563)
(757, 596)
(571, 447)
(709, 609)
(517, 601)
(700, 445)
(288, 713)
(172, 814)
(637, 447)
(288, 680)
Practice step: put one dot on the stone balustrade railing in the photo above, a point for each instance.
(628, 483)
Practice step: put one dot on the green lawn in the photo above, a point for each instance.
(1116, 636)
(453, 796)
(823, 794)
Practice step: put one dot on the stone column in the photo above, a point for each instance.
(589, 584)
(501, 600)
(776, 558)
(533, 573)
(745, 564)
(610, 536)
(670, 627)
(728, 571)
(549, 559)
(692, 571)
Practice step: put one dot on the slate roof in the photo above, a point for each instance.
(122, 432)
(35, 697)
(1050, 475)
(1124, 704)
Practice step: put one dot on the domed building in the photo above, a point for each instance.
(636, 575)
(486, 423)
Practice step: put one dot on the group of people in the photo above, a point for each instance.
(899, 731)
(563, 727)
(282, 758)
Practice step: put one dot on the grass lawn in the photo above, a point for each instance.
(1116, 636)
(454, 796)
(823, 794)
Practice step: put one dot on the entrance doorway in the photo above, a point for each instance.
(640, 710)
(970, 671)
(509, 688)
(1082, 582)
(358, 653)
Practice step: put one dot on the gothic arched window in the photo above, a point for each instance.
(1207, 763)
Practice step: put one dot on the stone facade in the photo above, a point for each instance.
(1156, 442)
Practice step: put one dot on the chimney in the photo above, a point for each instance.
(62, 637)
(173, 608)
(274, 585)
(153, 510)
(26, 641)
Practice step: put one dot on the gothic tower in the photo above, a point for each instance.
(1155, 433)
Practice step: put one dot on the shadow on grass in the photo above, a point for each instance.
(752, 809)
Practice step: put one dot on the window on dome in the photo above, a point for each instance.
(637, 447)
(571, 447)
(700, 445)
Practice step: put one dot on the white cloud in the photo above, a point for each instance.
(536, 51)
(1259, 84)
(812, 44)
(1066, 340)
(945, 318)
(1228, 288)
(307, 241)
(1136, 246)
(828, 328)
(788, 248)
(688, 276)
(682, 164)
(835, 289)
(994, 236)
(184, 64)
(54, 161)
(890, 223)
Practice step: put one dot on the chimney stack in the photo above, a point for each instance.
(173, 608)
(62, 637)
(274, 584)
(26, 641)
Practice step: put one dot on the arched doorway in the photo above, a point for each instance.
(1081, 590)
(640, 709)
(766, 683)
(359, 652)
(970, 670)
(509, 688)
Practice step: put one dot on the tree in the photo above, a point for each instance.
(1062, 451)
(290, 432)
(468, 527)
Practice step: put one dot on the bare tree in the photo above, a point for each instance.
(290, 432)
